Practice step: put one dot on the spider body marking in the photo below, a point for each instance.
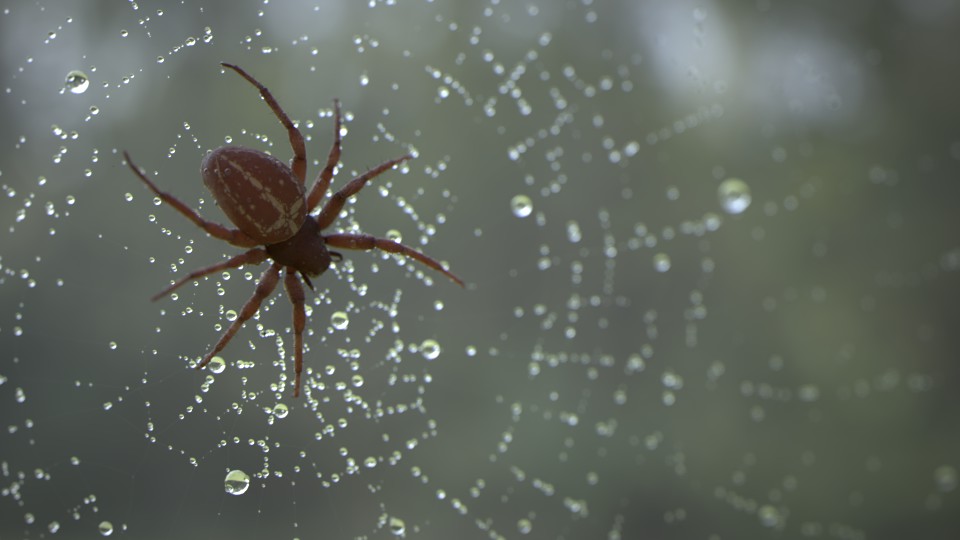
(256, 191)
(268, 203)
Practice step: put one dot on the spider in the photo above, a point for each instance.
(268, 203)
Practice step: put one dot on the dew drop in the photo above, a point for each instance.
(573, 232)
(734, 195)
(769, 515)
(397, 527)
(340, 320)
(661, 262)
(105, 528)
(236, 482)
(430, 349)
(217, 364)
(521, 205)
(77, 82)
(945, 478)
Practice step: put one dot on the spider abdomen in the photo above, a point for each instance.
(257, 192)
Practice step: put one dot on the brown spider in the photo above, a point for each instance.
(267, 201)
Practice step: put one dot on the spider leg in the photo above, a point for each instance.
(268, 282)
(215, 230)
(322, 184)
(367, 242)
(330, 210)
(299, 164)
(295, 292)
(253, 256)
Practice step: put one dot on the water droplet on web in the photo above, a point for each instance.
(77, 82)
(236, 482)
(769, 515)
(734, 195)
(661, 262)
(280, 410)
(397, 527)
(430, 349)
(105, 528)
(521, 205)
(945, 478)
(573, 232)
(217, 364)
(340, 320)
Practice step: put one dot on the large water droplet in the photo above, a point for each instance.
(661, 262)
(340, 320)
(77, 82)
(945, 478)
(236, 482)
(521, 205)
(217, 364)
(734, 195)
(430, 349)
(397, 527)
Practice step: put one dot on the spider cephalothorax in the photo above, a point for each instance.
(268, 203)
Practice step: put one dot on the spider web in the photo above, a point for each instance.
(709, 253)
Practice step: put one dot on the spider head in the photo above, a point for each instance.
(305, 251)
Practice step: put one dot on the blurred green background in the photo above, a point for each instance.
(630, 358)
